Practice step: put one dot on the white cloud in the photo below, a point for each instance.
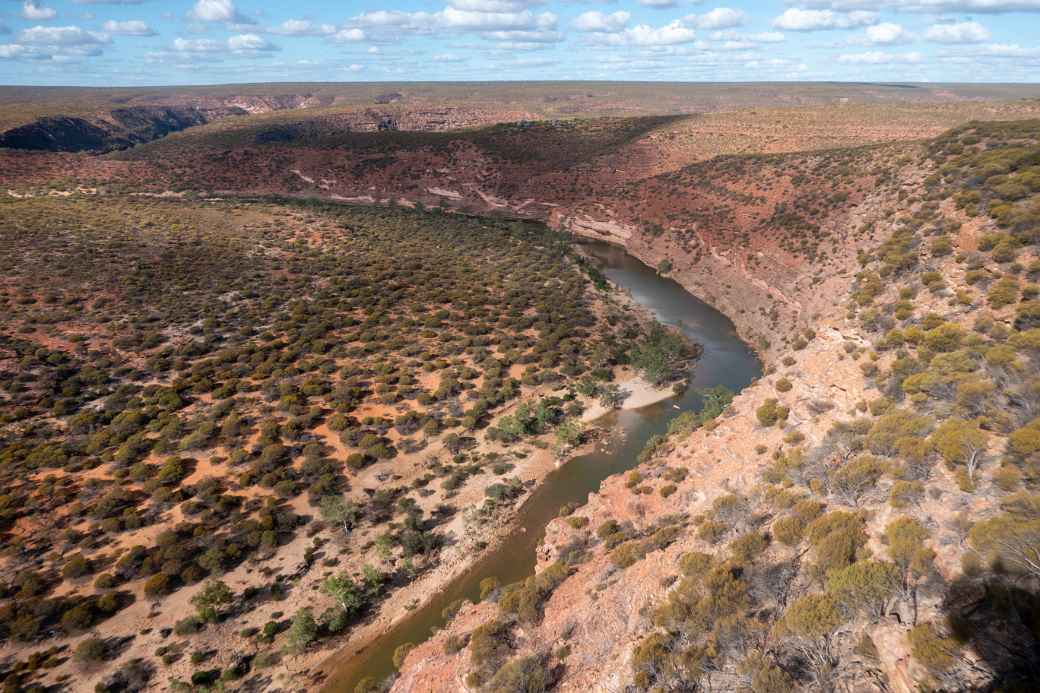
(658, 4)
(348, 35)
(10, 51)
(34, 12)
(879, 58)
(303, 27)
(490, 21)
(355, 67)
(719, 18)
(218, 11)
(645, 35)
(61, 36)
(249, 43)
(521, 25)
(931, 6)
(886, 32)
(491, 5)
(182, 45)
(525, 36)
(599, 21)
(796, 19)
(957, 32)
(1008, 50)
(758, 37)
(131, 27)
(239, 44)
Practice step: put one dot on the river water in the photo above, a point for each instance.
(725, 361)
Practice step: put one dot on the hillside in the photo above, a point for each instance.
(863, 516)
(278, 357)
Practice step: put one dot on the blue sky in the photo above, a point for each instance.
(147, 42)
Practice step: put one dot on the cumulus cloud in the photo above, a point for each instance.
(932, 6)
(957, 32)
(492, 5)
(348, 35)
(719, 18)
(796, 19)
(10, 51)
(757, 37)
(355, 67)
(240, 44)
(515, 24)
(131, 27)
(879, 58)
(218, 11)
(249, 43)
(645, 35)
(599, 21)
(304, 27)
(35, 12)
(61, 36)
(886, 32)
(183, 45)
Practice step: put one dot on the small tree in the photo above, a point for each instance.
(852, 480)
(906, 545)
(207, 601)
(961, 442)
(813, 620)
(1012, 541)
(303, 631)
(344, 590)
(932, 649)
(864, 584)
(337, 511)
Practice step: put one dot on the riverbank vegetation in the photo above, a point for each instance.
(190, 392)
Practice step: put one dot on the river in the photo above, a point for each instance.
(726, 360)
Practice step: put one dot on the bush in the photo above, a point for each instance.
(628, 554)
(932, 649)
(303, 631)
(521, 675)
(813, 617)
(836, 539)
(771, 412)
(91, 650)
(864, 585)
(747, 548)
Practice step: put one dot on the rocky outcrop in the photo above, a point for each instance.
(125, 127)
(121, 128)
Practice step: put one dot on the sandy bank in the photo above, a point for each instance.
(641, 393)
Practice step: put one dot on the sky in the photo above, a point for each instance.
(153, 42)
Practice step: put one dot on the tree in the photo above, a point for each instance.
(340, 512)
(207, 601)
(961, 442)
(853, 479)
(906, 546)
(569, 432)
(303, 631)
(1011, 541)
(932, 649)
(864, 584)
(812, 620)
(344, 590)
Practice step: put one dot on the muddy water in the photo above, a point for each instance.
(725, 361)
